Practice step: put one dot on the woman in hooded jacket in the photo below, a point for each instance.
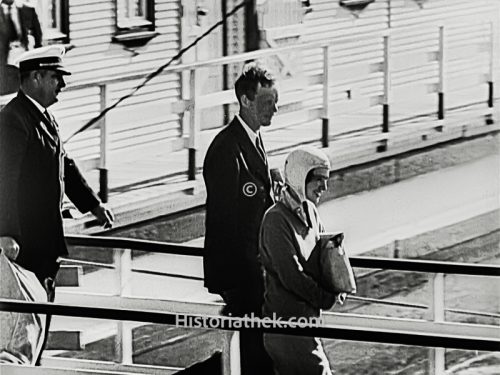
(289, 233)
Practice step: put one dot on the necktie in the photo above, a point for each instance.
(11, 27)
(53, 127)
(260, 148)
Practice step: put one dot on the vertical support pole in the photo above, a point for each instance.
(231, 364)
(123, 342)
(325, 126)
(397, 249)
(194, 127)
(492, 66)
(437, 355)
(103, 147)
(387, 85)
(437, 364)
(225, 67)
(438, 298)
(441, 87)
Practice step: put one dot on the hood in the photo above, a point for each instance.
(299, 163)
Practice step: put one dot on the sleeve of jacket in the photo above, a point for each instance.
(13, 145)
(36, 30)
(76, 188)
(221, 174)
(279, 254)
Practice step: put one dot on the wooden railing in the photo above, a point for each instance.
(312, 97)
(123, 307)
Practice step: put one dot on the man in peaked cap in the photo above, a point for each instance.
(35, 171)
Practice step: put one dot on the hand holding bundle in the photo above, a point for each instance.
(330, 266)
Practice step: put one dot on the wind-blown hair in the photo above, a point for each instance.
(249, 80)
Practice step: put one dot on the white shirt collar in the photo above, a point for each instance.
(38, 105)
(251, 134)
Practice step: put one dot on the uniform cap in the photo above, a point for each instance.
(46, 58)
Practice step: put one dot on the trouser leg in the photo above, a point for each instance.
(254, 358)
(49, 285)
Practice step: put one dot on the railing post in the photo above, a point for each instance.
(437, 355)
(437, 363)
(325, 126)
(441, 82)
(438, 298)
(491, 72)
(387, 85)
(103, 170)
(231, 354)
(194, 127)
(123, 343)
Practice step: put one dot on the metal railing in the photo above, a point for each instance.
(396, 331)
(372, 335)
(369, 329)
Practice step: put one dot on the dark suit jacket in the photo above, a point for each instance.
(32, 164)
(29, 23)
(238, 193)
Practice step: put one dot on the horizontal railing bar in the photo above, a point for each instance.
(86, 364)
(234, 324)
(159, 273)
(241, 57)
(88, 263)
(426, 266)
(421, 306)
(472, 312)
(388, 302)
(361, 262)
(133, 244)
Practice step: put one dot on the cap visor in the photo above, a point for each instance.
(63, 72)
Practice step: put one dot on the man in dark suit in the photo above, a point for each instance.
(238, 184)
(17, 24)
(35, 172)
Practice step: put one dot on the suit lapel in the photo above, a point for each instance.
(255, 162)
(39, 118)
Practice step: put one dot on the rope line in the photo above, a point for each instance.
(153, 74)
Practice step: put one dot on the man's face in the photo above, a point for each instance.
(50, 84)
(264, 105)
(317, 185)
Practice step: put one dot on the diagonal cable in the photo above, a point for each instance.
(153, 74)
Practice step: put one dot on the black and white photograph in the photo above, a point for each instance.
(250, 187)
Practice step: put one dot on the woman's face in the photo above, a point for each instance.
(317, 185)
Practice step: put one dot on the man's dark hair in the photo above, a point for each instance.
(247, 83)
